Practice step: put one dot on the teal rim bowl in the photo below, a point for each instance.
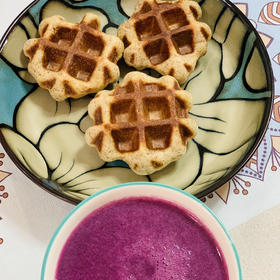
(167, 193)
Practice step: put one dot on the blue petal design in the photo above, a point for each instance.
(12, 91)
(111, 10)
(235, 88)
(116, 163)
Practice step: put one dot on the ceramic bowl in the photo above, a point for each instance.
(232, 90)
(163, 192)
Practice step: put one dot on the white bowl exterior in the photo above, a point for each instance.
(140, 190)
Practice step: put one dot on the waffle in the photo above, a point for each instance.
(72, 60)
(165, 36)
(143, 121)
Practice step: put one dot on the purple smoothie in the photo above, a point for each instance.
(141, 239)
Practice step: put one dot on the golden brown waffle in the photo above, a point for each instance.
(165, 36)
(143, 121)
(72, 60)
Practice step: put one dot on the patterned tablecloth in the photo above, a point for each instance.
(249, 205)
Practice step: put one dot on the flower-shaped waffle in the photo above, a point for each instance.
(72, 60)
(144, 121)
(165, 36)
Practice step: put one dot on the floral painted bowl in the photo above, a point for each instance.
(232, 90)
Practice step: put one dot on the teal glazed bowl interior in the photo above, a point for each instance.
(232, 90)
(195, 207)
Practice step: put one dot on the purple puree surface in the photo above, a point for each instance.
(141, 239)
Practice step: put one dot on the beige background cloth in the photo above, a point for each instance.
(258, 244)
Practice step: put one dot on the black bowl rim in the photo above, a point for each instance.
(262, 130)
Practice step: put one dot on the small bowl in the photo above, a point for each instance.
(158, 191)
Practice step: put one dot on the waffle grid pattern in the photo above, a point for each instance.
(75, 51)
(159, 27)
(145, 116)
(165, 36)
(72, 60)
(143, 121)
